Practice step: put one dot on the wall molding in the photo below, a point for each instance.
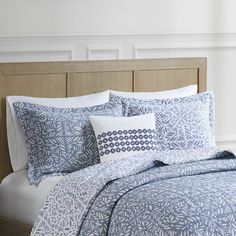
(121, 34)
(155, 48)
(114, 45)
(103, 51)
(40, 53)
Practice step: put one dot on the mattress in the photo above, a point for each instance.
(21, 201)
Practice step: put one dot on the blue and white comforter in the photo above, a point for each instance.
(195, 194)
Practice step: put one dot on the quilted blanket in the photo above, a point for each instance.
(185, 193)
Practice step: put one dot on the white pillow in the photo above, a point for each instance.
(174, 93)
(16, 141)
(120, 137)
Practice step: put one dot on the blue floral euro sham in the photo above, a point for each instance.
(184, 192)
(60, 140)
(181, 123)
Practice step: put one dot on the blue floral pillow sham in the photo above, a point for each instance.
(181, 123)
(60, 140)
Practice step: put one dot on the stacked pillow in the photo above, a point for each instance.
(181, 123)
(59, 136)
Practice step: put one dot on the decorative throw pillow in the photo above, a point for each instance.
(60, 140)
(120, 137)
(181, 123)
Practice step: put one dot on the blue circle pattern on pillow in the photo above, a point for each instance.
(127, 140)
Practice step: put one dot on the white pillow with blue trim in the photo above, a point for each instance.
(121, 137)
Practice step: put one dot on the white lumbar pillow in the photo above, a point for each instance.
(174, 93)
(121, 137)
(16, 141)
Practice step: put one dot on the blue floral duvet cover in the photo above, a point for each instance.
(180, 193)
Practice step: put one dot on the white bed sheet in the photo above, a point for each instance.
(21, 201)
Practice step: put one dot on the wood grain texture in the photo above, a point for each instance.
(202, 77)
(98, 66)
(158, 80)
(91, 82)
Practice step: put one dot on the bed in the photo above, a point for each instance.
(68, 79)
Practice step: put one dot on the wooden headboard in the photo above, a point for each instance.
(74, 78)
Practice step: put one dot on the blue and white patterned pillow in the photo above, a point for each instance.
(120, 137)
(60, 140)
(181, 123)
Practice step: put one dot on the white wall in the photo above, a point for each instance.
(105, 16)
(39, 30)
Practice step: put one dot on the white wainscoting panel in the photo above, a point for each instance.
(22, 53)
(103, 52)
(22, 56)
